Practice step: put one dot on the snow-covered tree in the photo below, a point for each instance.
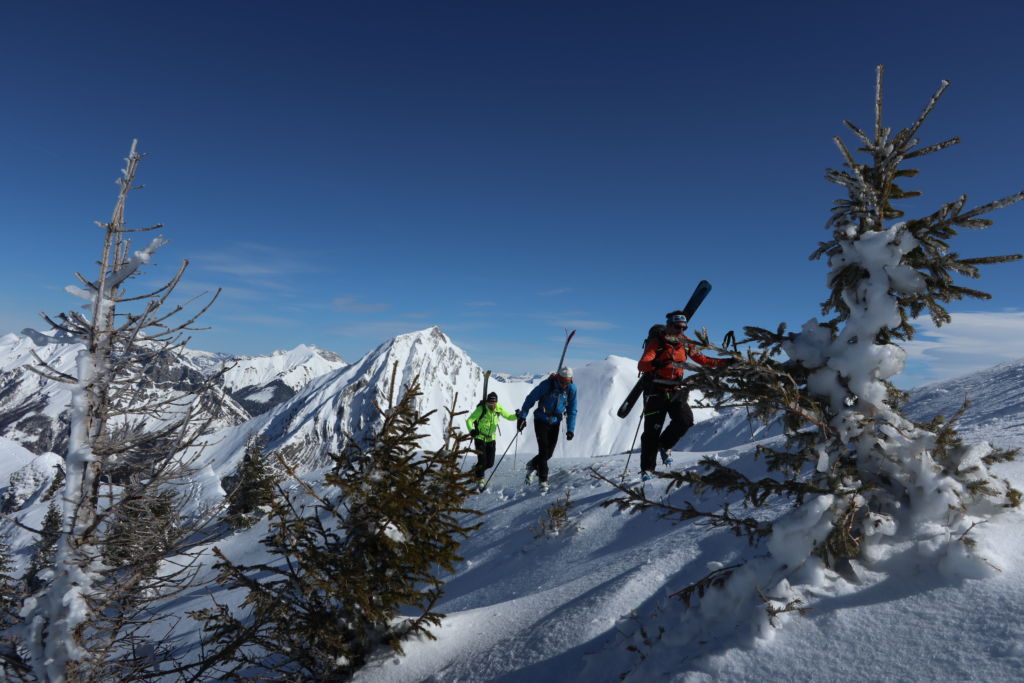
(862, 480)
(125, 446)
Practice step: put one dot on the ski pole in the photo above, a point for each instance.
(629, 455)
(515, 453)
(498, 464)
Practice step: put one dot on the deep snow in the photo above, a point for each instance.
(570, 606)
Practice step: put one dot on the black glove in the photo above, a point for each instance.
(520, 424)
(568, 436)
(475, 433)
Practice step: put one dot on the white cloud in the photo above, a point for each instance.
(973, 341)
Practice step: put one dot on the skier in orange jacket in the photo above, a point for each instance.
(665, 352)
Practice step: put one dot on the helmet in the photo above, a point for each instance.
(492, 397)
(565, 373)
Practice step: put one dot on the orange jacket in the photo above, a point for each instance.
(665, 359)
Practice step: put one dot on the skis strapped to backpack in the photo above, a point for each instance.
(696, 299)
(561, 361)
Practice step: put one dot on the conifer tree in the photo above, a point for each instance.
(856, 473)
(12, 591)
(42, 556)
(350, 560)
(252, 488)
(143, 529)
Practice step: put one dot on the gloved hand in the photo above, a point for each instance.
(568, 436)
(520, 424)
(475, 433)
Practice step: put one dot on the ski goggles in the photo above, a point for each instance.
(678, 319)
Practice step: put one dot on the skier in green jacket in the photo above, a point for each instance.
(483, 425)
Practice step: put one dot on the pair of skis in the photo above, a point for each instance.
(696, 299)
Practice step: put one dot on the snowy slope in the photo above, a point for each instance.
(32, 408)
(261, 382)
(570, 607)
(295, 369)
(996, 403)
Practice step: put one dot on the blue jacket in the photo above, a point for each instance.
(553, 400)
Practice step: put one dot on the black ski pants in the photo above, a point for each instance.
(547, 437)
(484, 456)
(658, 406)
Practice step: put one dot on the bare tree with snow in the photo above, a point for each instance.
(128, 449)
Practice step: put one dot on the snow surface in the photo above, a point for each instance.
(295, 368)
(570, 606)
(12, 457)
(527, 609)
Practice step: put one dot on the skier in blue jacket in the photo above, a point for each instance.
(555, 397)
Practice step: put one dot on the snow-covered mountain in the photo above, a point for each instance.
(34, 409)
(594, 602)
(343, 402)
(317, 419)
(261, 382)
(333, 399)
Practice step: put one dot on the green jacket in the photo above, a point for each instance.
(486, 421)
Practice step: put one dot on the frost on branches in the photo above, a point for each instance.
(855, 483)
(122, 500)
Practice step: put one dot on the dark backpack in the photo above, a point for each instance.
(656, 332)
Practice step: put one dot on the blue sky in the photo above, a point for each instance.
(348, 171)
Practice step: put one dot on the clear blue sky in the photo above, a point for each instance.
(348, 171)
